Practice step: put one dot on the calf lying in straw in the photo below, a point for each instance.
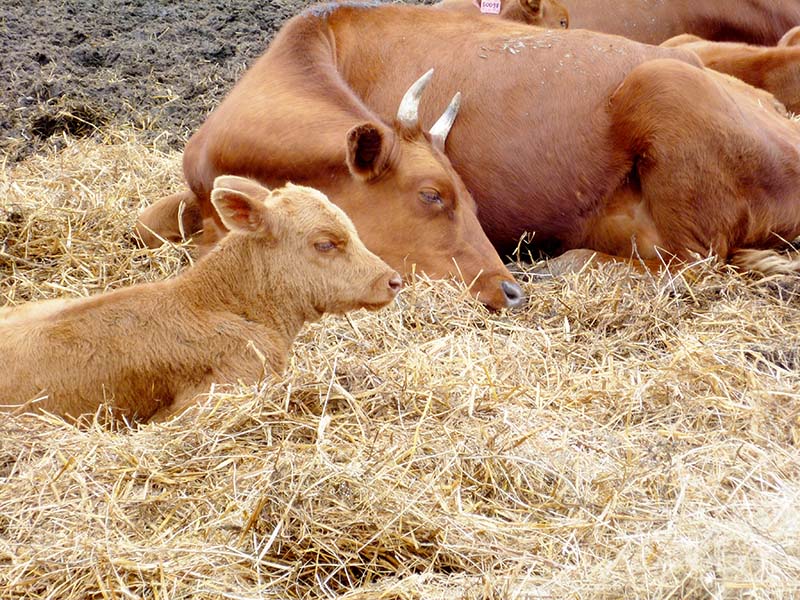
(148, 351)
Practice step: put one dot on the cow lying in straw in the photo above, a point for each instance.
(643, 152)
(148, 351)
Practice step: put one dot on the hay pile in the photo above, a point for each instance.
(623, 436)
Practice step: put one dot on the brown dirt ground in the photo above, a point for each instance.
(75, 66)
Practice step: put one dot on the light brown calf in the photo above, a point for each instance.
(148, 351)
(774, 69)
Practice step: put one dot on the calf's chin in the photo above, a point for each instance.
(347, 295)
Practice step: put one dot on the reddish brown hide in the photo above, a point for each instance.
(586, 140)
(591, 141)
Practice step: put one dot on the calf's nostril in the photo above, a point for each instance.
(513, 293)
(395, 283)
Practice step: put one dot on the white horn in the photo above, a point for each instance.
(442, 127)
(408, 112)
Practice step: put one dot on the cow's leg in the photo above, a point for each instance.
(173, 219)
(714, 167)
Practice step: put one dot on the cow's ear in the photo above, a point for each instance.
(369, 149)
(534, 7)
(239, 211)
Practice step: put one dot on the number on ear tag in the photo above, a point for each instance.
(490, 7)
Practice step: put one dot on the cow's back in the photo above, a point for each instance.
(653, 21)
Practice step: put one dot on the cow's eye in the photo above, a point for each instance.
(325, 246)
(564, 23)
(431, 197)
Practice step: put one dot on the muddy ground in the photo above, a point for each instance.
(77, 65)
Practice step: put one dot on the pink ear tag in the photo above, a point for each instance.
(490, 7)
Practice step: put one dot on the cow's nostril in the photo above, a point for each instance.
(513, 294)
(395, 283)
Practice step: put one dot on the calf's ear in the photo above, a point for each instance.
(369, 149)
(239, 211)
(243, 184)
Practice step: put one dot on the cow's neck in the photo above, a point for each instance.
(355, 51)
(370, 40)
(304, 57)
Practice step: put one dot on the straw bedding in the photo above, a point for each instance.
(622, 436)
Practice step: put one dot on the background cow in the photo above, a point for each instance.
(541, 13)
(654, 21)
(148, 351)
(585, 140)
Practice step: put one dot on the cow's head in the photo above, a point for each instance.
(542, 13)
(413, 210)
(302, 247)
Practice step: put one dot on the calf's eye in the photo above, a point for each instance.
(563, 23)
(325, 246)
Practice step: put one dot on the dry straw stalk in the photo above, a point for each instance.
(623, 436)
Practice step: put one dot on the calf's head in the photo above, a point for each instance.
(304, 246)
(411, 207)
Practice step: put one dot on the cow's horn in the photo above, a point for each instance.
(408, 112)
(442, 127)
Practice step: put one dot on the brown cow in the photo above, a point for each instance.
(585, 140)
(775, 69)
(790, 38)
(654, 21)
(148, 351)
(302, 123)
(541, 13)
